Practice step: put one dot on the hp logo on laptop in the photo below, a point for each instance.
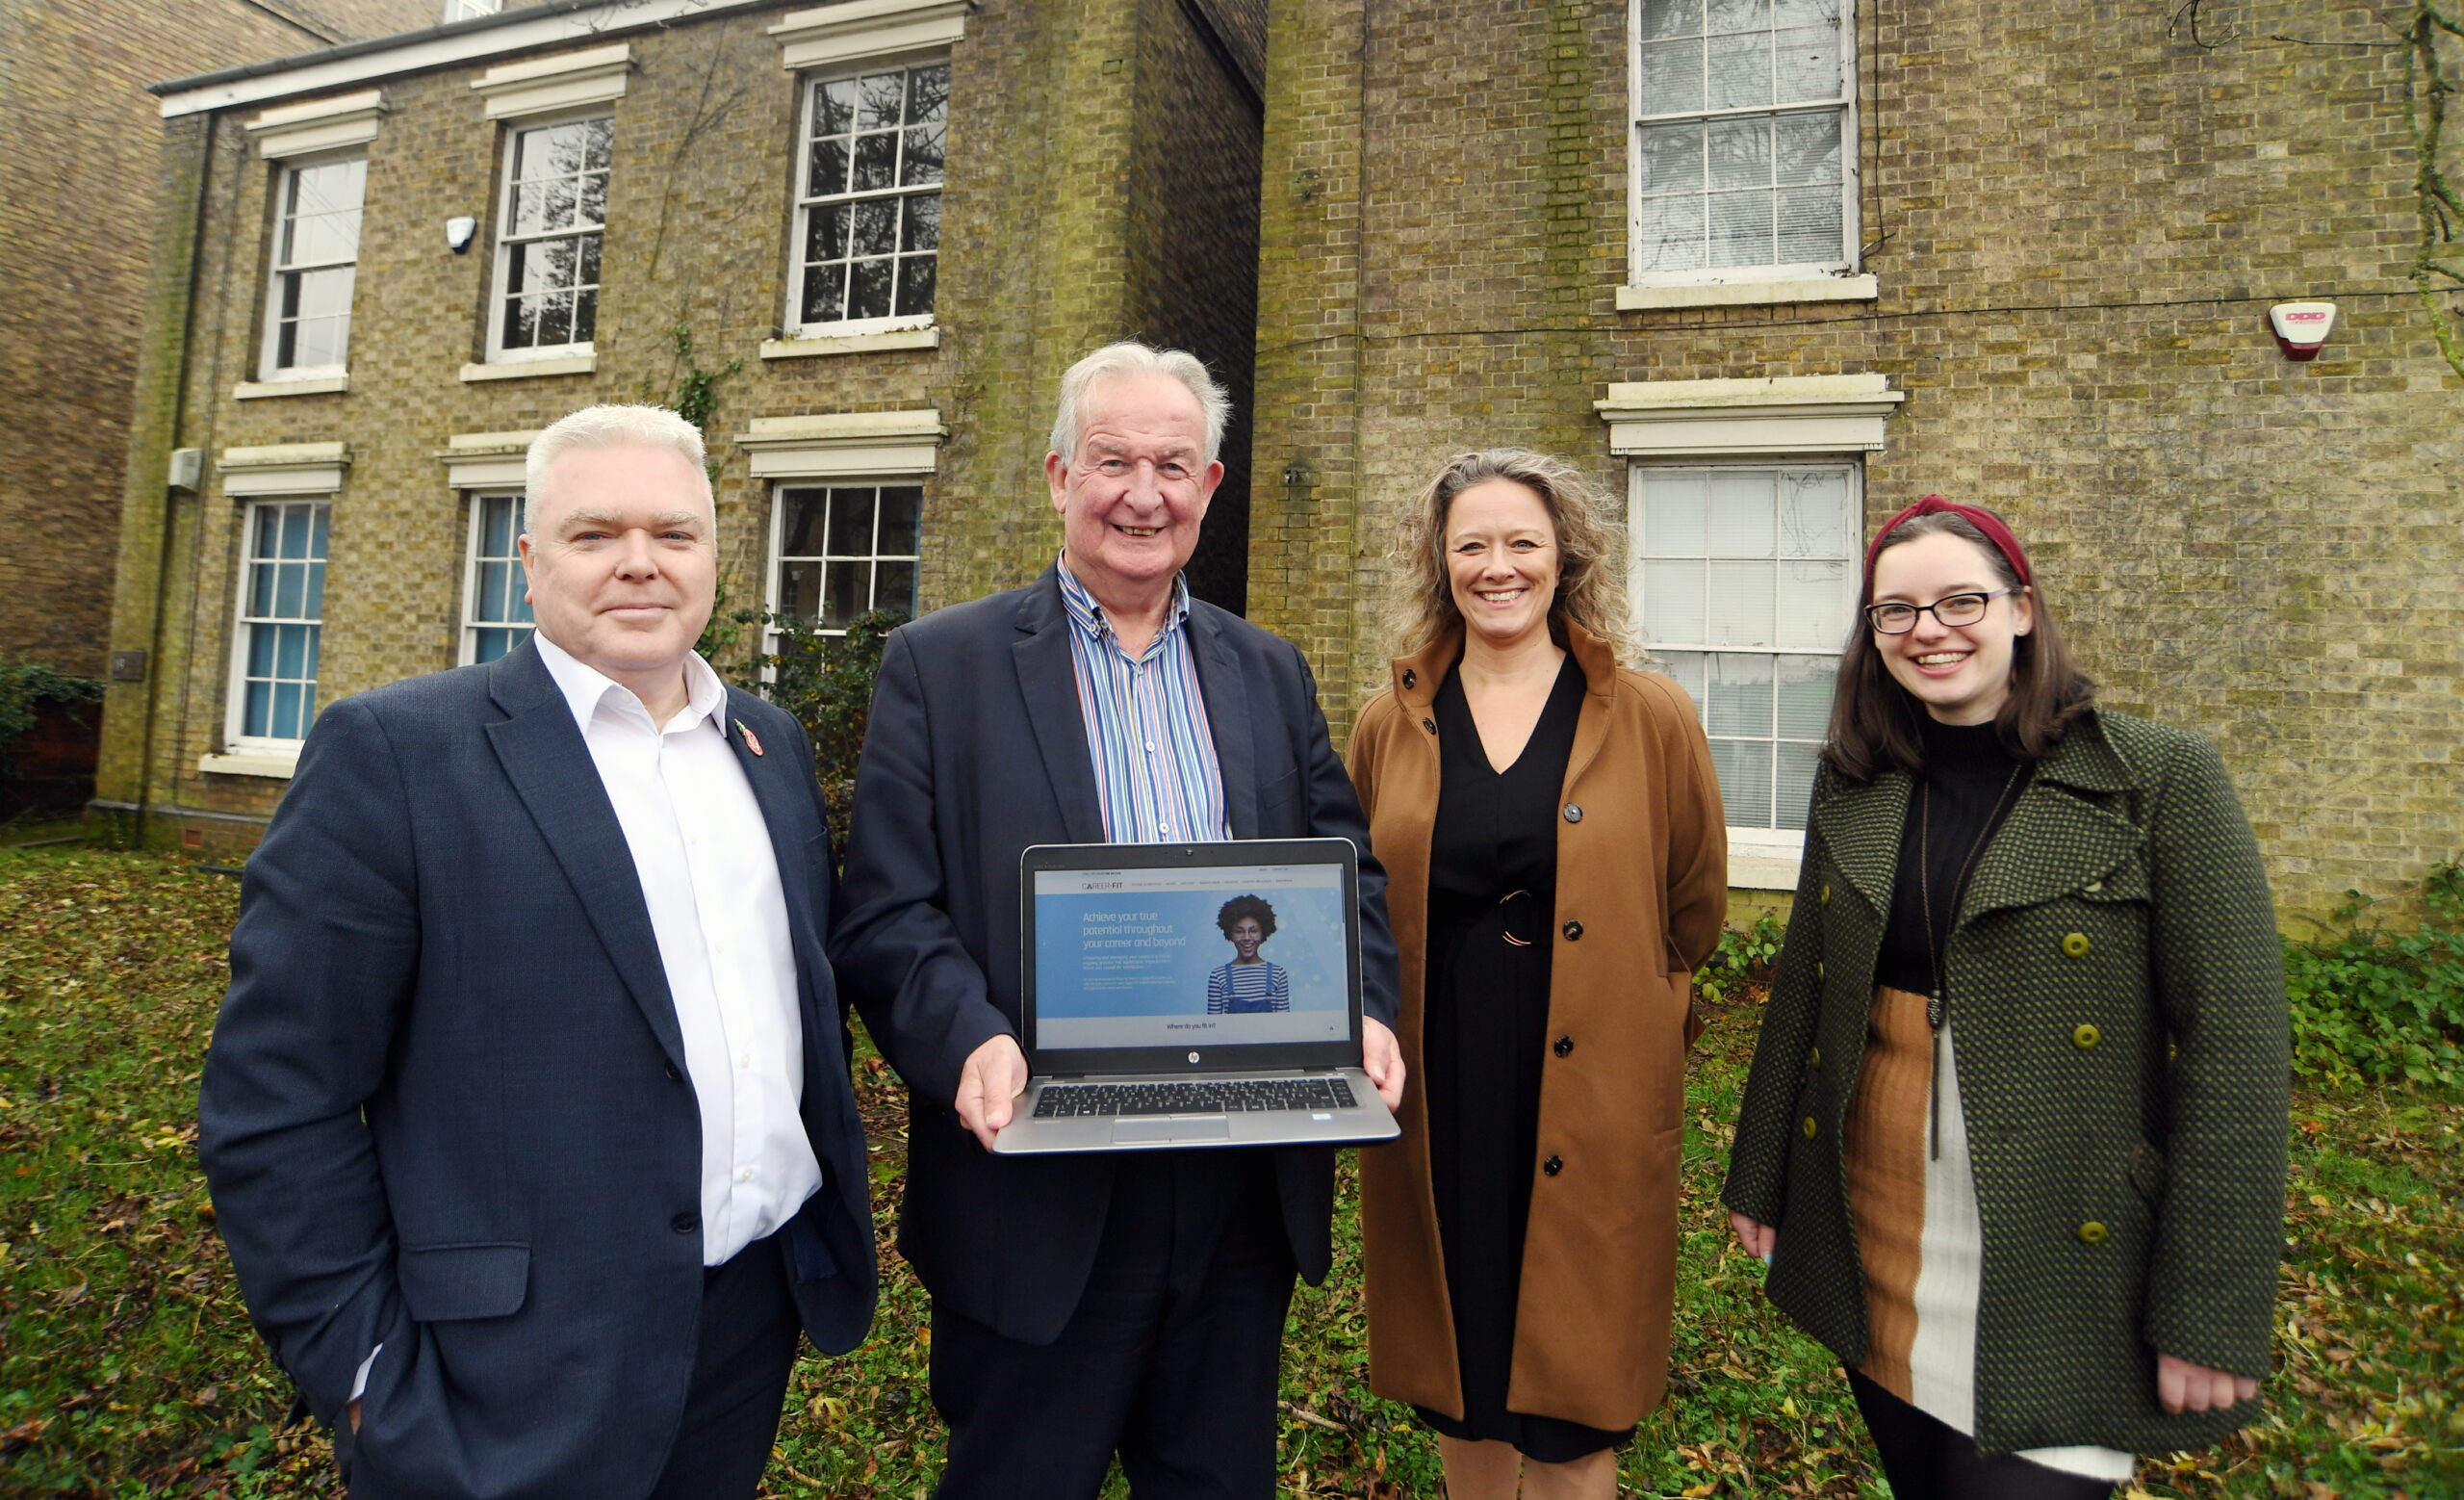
(1192, 1057)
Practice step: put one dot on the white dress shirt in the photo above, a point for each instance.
(709, 878)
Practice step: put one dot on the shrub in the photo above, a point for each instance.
(826, 682)
(23, 686)
(2370, 1003)
(1742, 961)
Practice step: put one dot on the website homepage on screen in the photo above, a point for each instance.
(1227, 955)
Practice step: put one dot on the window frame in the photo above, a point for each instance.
(777, 560)
(500, 291)
(466, 645)
(1747, 839)
(270, 334)
(1851, 232)
(470, 10)
(236, 740)
(809, 82)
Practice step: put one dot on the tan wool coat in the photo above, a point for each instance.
(1642, 889)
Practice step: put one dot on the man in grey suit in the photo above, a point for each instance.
(1089, 1305)
(526, 1117)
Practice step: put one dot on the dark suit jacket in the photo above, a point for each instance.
(976, 750)
(446, 1109)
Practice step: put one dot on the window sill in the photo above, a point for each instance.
(250, 763)
(1750, 294)
(850, 344)
(312, 385)
(525, 368)
(1764, 859)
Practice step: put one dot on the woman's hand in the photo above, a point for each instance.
(1758, 1239)
(1381, 1057)
(2183, 1386)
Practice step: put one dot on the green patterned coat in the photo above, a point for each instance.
(2118, 989)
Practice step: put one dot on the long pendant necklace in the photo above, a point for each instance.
(1938, 1005)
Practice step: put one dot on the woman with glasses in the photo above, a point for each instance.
(2013, 1138)
(1556, 867)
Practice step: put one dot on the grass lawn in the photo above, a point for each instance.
(128, 1368)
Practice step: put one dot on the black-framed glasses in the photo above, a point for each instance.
(1954, 610)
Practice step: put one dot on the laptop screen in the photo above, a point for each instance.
(1204, 955)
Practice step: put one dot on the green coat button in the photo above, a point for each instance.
(1825, 897)
(2084, 1036)
(2093, 887)
(1810, 1128)
(1814, 1058)
(1817, 969)
(2092, 1233)
(2075, 945)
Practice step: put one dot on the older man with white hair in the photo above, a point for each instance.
(1086, 1306)
(526, 1118)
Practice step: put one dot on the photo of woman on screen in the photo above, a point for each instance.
(1248, 985)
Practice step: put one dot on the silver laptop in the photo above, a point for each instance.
(1192, 995)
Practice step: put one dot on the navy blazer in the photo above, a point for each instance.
(446, 1109)
(976, 750)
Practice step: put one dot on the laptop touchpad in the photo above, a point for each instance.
(1211, 1127)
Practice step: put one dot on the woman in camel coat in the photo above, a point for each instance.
(1545, 1023)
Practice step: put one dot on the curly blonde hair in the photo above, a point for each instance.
(1591, 584)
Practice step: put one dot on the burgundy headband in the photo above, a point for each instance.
(1983, 520)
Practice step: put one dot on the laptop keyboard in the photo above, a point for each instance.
(1067, 1100)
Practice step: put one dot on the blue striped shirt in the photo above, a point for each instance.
(1243, 989)
(1156, 772)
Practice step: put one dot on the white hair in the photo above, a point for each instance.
(610, 426)
(1131, 357)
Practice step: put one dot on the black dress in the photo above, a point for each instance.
(1492, 876)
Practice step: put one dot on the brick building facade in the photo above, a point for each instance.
(883, 227)
(1769, 272)
(77, 198)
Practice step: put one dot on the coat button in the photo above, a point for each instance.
(673, 1075)
(1553, 1165)
(1564, 1045)
(1573, 930)
(1409, 677)
(1431, 725)
(1825, 897)
(2093, 887)
(2075, 945)
(685, 1223)
(1813, 1059)
(2084, 1036)
(1573, 812)
(2092, 1233)
(1817, 969)
(1810, 1128)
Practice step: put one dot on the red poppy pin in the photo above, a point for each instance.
(752, 742)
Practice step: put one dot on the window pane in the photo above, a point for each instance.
(800, 521)
(1815, 605)
(826, 230)
(313, 606)
(875, 226)
(1814, 519)
(291, 651)
(1795, 777)
(597, 136)
(1744, 770)
(1807, 149)
(847, 592)
(1741, 604)
(556, 319)
(1668, 234)
(876, 162)
(1673, 525)
(828, 174)
(920, 158)
(868, 288)
(1737, 15)
(835, 115)
(585, 316)
(825, 293)
(296, 524)
(894, 587)
(1741, 153)
(915, 277)
(1739, 697)
(1809, 224)
(1671, 77)
(800, 589)
(850, 523)
(921, 229)
(256, 713)
(1739, 70)
(1687, 667)
(1672, 18)
(928, 94)
(1741, 512)
(1804, 696)
(1673, 601)
(1671, 158)
(901, 505)
(1806, 13)
(290, 590)
(1741, 229)
(879, 99)
(286, 718)
(1806, 65)
(260, 649)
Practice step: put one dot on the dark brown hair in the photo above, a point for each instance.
(1877, 725)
